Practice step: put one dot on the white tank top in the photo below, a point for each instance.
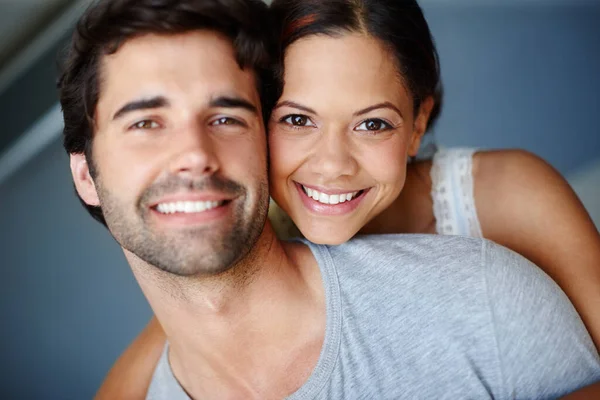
(451, 191)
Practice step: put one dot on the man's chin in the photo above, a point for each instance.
(190, 258)
(195, 270)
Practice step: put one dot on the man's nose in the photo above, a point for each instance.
(196, 154)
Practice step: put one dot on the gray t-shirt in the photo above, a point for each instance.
(437, 317)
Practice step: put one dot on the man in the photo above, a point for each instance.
(164, 127)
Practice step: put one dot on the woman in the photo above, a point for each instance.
(361, 89)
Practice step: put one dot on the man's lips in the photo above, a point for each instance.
(191, 197)
(190, 204)
(187, 207)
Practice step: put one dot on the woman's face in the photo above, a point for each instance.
(340, 135)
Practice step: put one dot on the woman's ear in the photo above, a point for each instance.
(84, 183)
(420, 126)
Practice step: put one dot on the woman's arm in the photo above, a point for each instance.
(525, 205)
(130, 377)
(587, 393)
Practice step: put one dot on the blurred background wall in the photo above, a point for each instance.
(517, 73)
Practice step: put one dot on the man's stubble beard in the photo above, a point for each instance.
(189, 252)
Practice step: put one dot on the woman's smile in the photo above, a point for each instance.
(330, 201)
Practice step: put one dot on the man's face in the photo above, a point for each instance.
(179, 153)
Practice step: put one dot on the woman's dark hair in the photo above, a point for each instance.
(398, 24)
(107, 24)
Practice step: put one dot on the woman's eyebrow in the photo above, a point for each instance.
(291, 104)
(386, 104)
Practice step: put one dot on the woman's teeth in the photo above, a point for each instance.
(187, 207)
(328, 198)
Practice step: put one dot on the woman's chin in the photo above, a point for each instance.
(328, 237)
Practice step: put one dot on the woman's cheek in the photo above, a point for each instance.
(386, 163)
(387, 167)
(277, 150)
(281, 167)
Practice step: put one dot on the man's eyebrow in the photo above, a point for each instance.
(386, 104)
(233, 102)
(143, 104)
(294, 105)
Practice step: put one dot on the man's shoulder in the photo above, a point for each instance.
(439, 257)
(424, 247)
(397, 260)
(482, 292)
(411, 239)
(416, 247)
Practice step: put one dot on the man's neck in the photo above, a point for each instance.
(234, 333)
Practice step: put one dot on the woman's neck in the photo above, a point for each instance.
(412, 211)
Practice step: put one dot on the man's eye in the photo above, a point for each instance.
(146, 124)
(297, 120)
(226, 121)
(373, 125)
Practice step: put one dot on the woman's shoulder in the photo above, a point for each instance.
(508, 169)
(485, 166)
(485, 163)
(446, 161)
(487, 180)
(520, 187)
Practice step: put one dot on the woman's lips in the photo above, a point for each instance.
(335, 202)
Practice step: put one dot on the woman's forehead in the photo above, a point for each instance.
(350, 66)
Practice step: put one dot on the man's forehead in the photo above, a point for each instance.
(198, 64)
(206, 54)
(202, 39)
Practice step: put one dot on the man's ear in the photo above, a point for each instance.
(421, 122)
(83, 180)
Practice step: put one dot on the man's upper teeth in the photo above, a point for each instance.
(187, 207)
(329, 198)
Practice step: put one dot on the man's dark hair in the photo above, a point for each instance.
(107, 24)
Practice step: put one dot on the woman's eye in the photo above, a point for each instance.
(298, 120)
(373, 125)
(226, 121)
(146, 124)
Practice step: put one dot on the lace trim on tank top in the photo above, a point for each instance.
(452, 193)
